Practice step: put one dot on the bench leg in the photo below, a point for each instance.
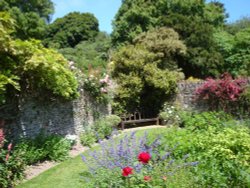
(123, 125)
(157, 121)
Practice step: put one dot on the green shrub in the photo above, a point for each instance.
(170, 115)
(101, 129)
(113, 120)
(30, 151)
(88, 138)
(43, 147)
(223, 155)
(204, 120)
(57, 148)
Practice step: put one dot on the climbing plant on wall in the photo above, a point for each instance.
(28, 65)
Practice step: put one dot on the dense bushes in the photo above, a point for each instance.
(101, 129)
(219, 144)
(13, 160)
(52, 147)
(221, 93)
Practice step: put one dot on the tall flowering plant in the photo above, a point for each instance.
(131, 162)
(11, 164)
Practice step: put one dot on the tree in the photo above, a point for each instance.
(90, 53)
(141, 71)
(195, 21)
(31, 16)
(235, 50)
(237, 26)
(71, 30)
(27, 65)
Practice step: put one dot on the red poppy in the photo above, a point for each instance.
(127, 171)
(147, 178)
(144, 157)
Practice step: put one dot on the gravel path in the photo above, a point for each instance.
(34, 170)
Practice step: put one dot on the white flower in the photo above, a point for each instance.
(71, 137)
(71, 63)
(103, 90)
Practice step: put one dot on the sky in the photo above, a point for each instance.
(105, 10)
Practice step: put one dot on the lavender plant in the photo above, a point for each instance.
(132, 161)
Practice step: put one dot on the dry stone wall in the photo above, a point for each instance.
(185, 97)
(54, 116)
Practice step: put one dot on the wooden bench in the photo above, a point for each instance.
(136, 118)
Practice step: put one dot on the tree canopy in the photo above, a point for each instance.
(31, 16)
(90, 54)
(71, 29)
(195, 21)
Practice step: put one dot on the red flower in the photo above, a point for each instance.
(147, 178)
(144, 157)
(127, 171)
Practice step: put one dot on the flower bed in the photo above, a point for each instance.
(134, 162)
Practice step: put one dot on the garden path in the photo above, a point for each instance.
(34, 170)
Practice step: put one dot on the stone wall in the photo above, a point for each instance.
(185, 97)
(54, 116)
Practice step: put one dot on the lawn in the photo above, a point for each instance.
(68, 173)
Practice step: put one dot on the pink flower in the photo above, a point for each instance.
(127, 171)
(9, 147)
(144, 157)
(7, 157)
(1, 138)
(164, 178)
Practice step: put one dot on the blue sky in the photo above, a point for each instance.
(105, 10)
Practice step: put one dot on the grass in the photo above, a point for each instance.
(68, 173)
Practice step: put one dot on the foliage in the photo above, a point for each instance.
(222, 92)
(133, 162)
(102, 128)
(31, 16)
(170, 115)
(141, 74)
(204, 120)
(42, 147)
(235, 50)
(71, 29)
(238, 25)
(28, 65)
(222, 153)
(244, 103)
(89, 54)
(195, 22)
(88, 138)
(11, 164)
